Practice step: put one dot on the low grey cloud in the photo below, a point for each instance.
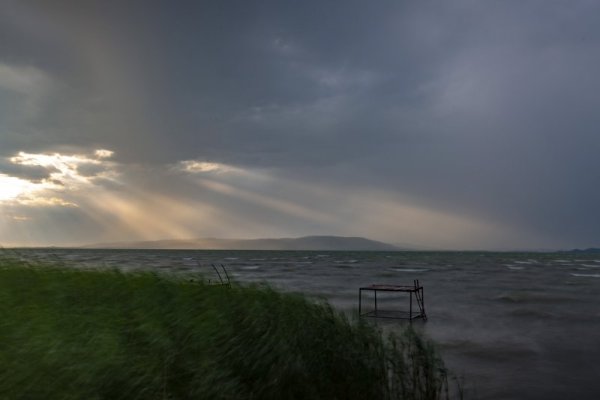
(33, 173)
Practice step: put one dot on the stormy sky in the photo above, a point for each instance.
(429, 124)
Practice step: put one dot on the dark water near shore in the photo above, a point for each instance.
(516, 325)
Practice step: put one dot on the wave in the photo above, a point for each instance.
(524, 297)
(410, 269)
(587, 275)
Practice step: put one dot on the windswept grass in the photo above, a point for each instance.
(70, 334)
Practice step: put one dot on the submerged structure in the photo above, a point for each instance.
(416, 291)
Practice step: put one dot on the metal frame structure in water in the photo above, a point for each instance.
(416, 290)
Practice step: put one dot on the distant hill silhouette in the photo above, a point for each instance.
(588, 250)
(302, 243)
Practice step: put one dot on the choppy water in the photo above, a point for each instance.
(516, 325)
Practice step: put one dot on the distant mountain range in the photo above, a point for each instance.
(322, 243)
(588, 250)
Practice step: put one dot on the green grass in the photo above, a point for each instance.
(72, 334)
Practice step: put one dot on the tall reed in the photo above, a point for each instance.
(73, 334)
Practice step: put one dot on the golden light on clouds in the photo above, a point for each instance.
(194, 166)
(19, 218)
(103, 153)
(42, 201)
(12, 187)
(62, 166)
(64, 174)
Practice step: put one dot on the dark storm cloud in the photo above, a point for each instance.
(31, 173)
(481, 109)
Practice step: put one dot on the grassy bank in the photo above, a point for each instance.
(73, 334)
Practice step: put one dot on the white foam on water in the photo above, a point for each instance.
(409, 269)
(587, 275)
(251, 267)
(590, 265)
(231, 258)
(523, 262)
(515, 268)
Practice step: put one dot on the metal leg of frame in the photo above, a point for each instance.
(423, 302)
(359, 302)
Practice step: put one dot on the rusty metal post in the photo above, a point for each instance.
(423, 302)
(359, 302)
